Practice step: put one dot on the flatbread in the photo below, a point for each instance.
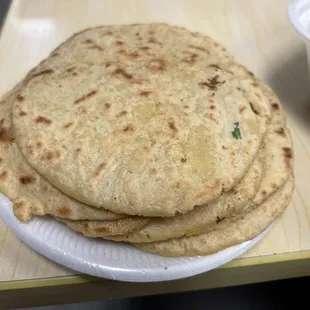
(278, 161)
(278, 145)
(229, 232)
(201, 218)
(137, 119)
(29, 192)
(105, 228)
(268, 173)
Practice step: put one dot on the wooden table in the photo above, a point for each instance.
(259, 35)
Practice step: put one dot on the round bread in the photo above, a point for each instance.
(138, 119)
(269, 172)
(99, 229)
(229, 232)
(201, 218)
(29, 192)
(278, 145)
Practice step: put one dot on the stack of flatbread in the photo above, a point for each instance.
(148, 134)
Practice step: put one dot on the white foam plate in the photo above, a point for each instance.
(107, 259)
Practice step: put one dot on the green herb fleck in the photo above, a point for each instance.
(236, 133)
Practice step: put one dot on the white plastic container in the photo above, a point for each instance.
(299, 17)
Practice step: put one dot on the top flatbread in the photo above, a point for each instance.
(137, 119)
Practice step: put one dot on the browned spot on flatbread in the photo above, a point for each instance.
(274, 185)
(129, 128)
(88, 41)
(123, 113)
(211, 83)
(47, 71)
(251, 73)
(64, 211)
(145, 93)
(242, 109)
(103, 229)
(263, 192)
(19, 204)
(68, 125)
(49, 155)
(87, 96)
(199, 48)
(238, 88)
(22, 113)
(3, 176)
(215, 66)
(95, 47)
(158, 65)
(107, 105)
(83, 111)
(210, 116)
(154, 41)
(288, 156)
(99, 169)
(122, 51)
(6, 135)
(39, 144)
(173, 127)
(43, 120)
(153, 171)
(78, 150)
(212, 107)
(27, 179)
(190, 59)
(275, 106)
(280, 131)
(219, 219)
(133, 55)
(178, 184)
(253, 109)
(108, 64)
(145, 48)
(20, 98)
(119, 42)
(186, 107)
(1, 160)
(70, 69)
(123, 73)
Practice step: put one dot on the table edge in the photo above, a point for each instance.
(82, 279)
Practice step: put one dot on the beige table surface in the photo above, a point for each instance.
(259, 35)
